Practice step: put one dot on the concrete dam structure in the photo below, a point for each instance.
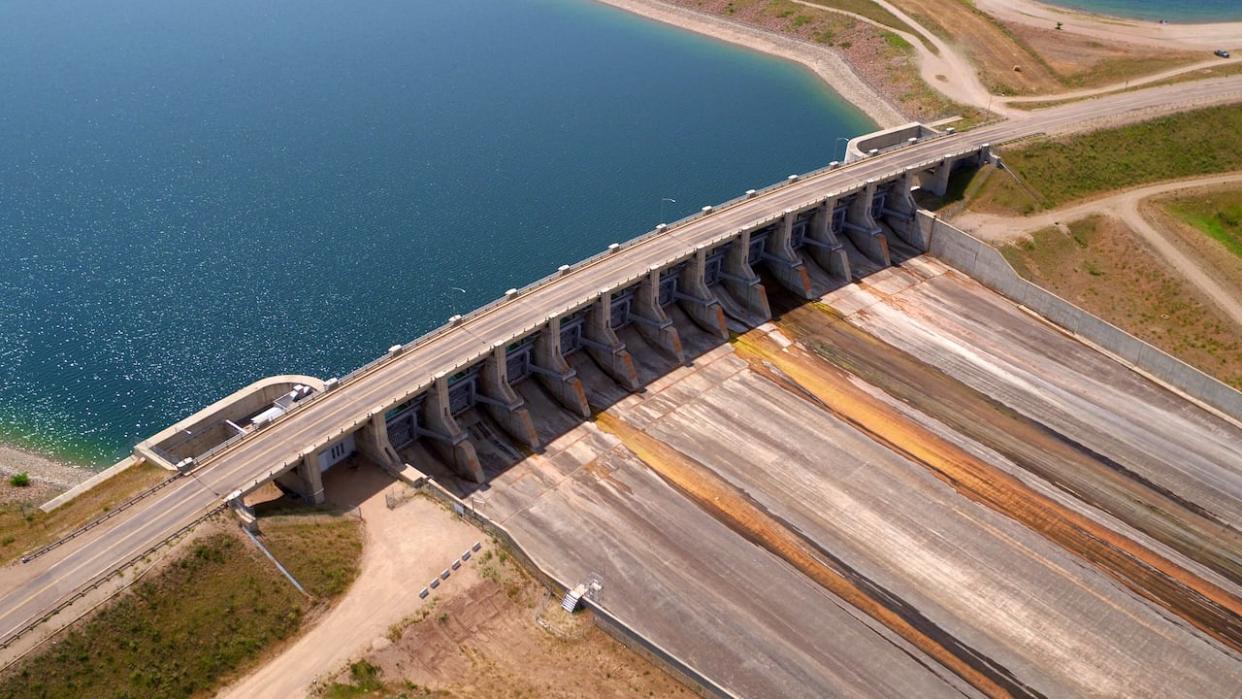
(818, 244)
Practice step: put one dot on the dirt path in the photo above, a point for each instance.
(1124, 206)
(1136, 82)
(405, 548)
(946, 70)
(1111, 29)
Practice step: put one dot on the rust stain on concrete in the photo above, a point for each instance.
(1148, 574)
(725, 503)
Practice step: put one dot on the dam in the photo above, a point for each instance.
(815, 407)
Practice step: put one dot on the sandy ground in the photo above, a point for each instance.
(1191, 36)
(498, 633)
(40, 467)
(823, 62)
(405, 548)
(1126, 207)
(946, 70)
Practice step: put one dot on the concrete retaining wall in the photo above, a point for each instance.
(985, 264)
(610, 624)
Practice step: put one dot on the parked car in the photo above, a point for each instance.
(1222, 53)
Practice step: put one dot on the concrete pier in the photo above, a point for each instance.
(372, 441)
(603, 345)
(697, 299)
(862, 229)
(446, 439)
(502, 403)
(555, 373)
(898, 212)
(823, 246)
(783, 262)
(739, 280)
(305, 480)
(651, 320)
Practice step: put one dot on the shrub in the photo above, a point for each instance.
(19, 480)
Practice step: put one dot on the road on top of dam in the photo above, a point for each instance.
(39, 587)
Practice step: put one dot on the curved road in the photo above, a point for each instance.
(51, 580)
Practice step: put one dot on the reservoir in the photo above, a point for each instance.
(196, 195)
(1156, 10)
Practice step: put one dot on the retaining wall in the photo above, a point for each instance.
(985, 264)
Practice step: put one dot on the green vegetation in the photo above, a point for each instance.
(204, 617)
(871, 11)
(1049, 173)
(364, 679)
(1219, 215)
(1097, 264)
(19, 480)
(1182, 145)
(895, 41)
(321, 552)
(24, 527)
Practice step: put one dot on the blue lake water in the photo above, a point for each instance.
(1185, 11)
(194, 195)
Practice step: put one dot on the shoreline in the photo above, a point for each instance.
(831, 69)
(1202, 36)
(42, 468)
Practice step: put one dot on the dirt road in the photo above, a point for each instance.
(405, 548)
(1124, 206)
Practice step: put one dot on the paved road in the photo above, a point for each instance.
(312, 426)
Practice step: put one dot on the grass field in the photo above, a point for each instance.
(1062, 170)
(23, 526)
(1200, 142)
(1218, 215)
(202, 619)
(1100, 266)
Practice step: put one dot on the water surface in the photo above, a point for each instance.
(1156, 10)
(194, 195)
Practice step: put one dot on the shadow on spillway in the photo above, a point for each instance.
(498, 451)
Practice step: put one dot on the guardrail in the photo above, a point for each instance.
(98, 520)
(101, 579)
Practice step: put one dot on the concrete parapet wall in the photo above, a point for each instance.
(985, 264)
(113, 470)
(208, 423)
(858, 147)
(614, 627)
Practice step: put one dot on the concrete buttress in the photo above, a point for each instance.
(698, 300)
(741, 282)
(651, 320)
(863, 230)
(605, 347)
(555, 374)
(937, 181)
(899, 210)
(445, 437)
(502, 403)
(823, 245)
(783, 262)
(305, 480)
(371, 440)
